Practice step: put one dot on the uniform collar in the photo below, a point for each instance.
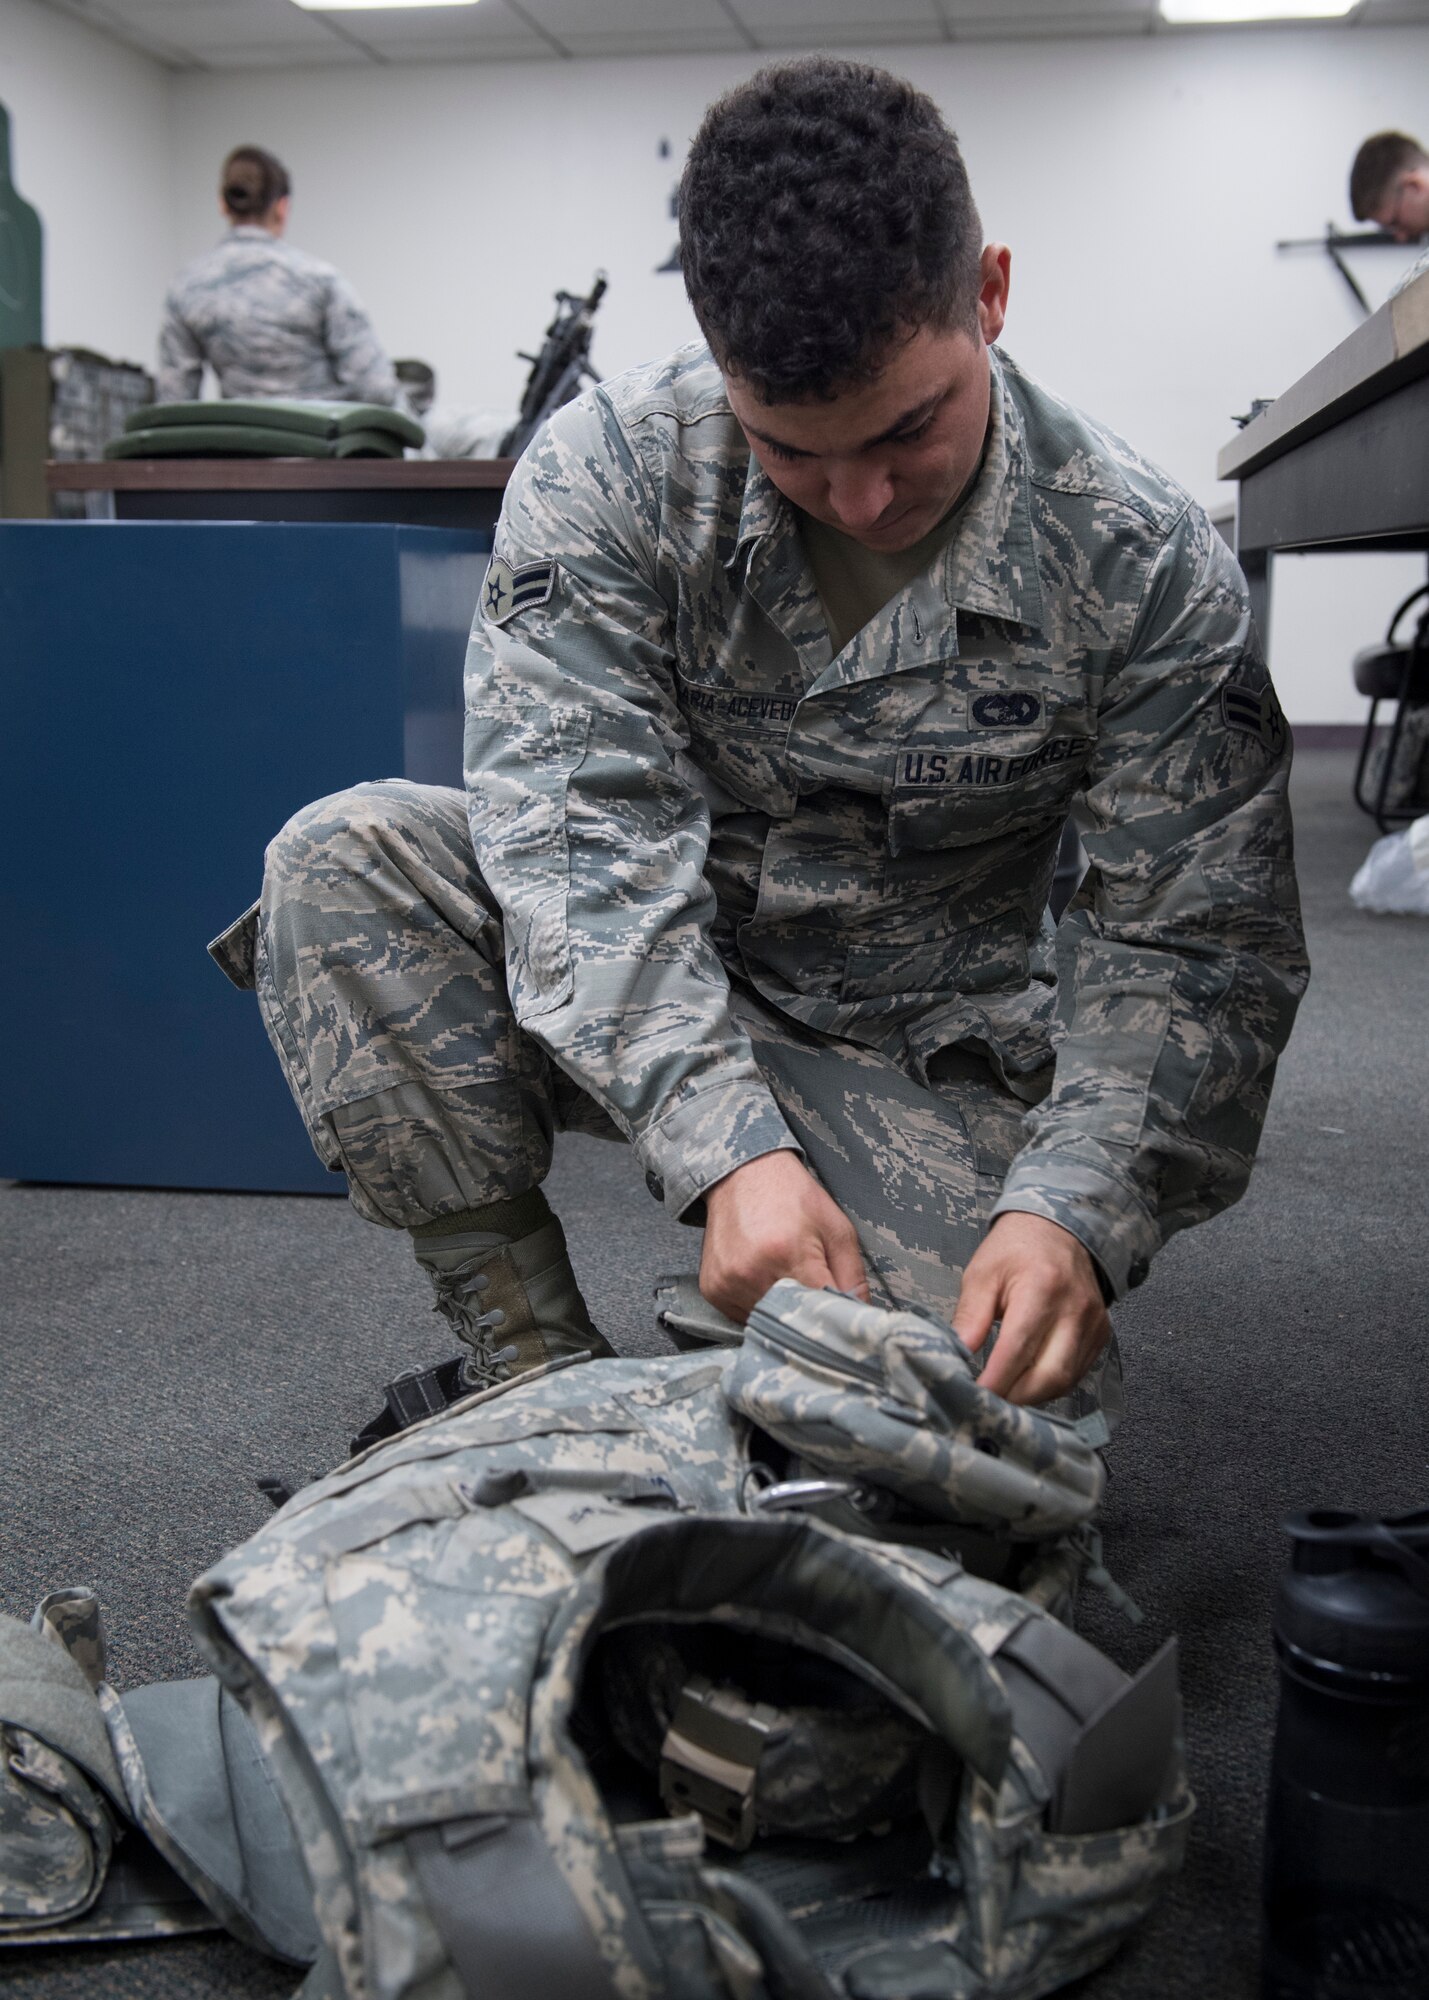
(248, 230)
(990, 565)
(764, 512)
(768, 557)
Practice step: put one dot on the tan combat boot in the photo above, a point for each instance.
(504, 1283)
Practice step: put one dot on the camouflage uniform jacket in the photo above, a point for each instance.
(1416, 270)
(674, 784)
(270, 321)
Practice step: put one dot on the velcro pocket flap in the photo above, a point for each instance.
(891, 1397)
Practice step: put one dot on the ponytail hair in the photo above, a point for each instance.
(251, 181)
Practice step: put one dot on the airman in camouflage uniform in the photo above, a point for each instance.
(730, 890)
(1418, 269)
(269, 320)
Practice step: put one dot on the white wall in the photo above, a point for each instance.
(89, 134)
(1141, 183)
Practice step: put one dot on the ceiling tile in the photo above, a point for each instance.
(499, 48)
(658, 42)
(853, 35)
(602, 19)
(161, 46)
(243, 24)
(1048, 15)
(999, 28)
(819, 18)
(188, 9)
(472, 28)
(282, 55)
(266, 34)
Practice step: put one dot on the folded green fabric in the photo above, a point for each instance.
(322, 420)
(249, 441)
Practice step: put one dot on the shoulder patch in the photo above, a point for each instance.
(507, 590)
(1257, 715)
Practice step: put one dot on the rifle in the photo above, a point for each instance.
(559, 369)
(1333, 242)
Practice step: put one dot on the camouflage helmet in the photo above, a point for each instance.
(828, 1755)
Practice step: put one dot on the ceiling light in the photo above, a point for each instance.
(346, 6)
(1187, 11)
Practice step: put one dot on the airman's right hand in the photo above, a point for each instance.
(768, 1220)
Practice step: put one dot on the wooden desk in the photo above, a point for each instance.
(1341, 460)
(410, 492)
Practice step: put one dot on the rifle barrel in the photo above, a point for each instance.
(1333, 240)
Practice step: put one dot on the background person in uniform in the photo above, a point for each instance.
(269, 320)
(418, 381)
(795, 653)
(1389, 185)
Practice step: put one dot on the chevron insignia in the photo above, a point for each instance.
(507, 590)
(1256, 715)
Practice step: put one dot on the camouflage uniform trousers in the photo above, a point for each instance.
(381, 977)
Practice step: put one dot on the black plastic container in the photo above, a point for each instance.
(1347, 1827)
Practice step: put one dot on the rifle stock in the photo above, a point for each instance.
(560, 368)
(1333, 242)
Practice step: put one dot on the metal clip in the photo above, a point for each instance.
(709, 1760)
(790, 1494)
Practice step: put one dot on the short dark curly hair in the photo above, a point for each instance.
(825, 213)
(1380, 161)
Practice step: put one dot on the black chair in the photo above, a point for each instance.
(1397, 673)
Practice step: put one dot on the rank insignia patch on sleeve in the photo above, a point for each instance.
(1256, 715)
(507, 590)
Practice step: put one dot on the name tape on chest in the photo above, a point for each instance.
(925, 768)
(1257, 715)
(752, 711)
(508, 590)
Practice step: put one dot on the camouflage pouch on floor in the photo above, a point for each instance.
(62, 1806)
(144, 1817)
(892, 1398)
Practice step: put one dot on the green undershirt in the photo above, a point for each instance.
(854, 583)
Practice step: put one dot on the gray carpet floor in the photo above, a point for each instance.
(163, 1350)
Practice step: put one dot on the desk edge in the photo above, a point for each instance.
(296, 475)
(1387, 350)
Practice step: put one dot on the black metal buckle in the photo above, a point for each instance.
(709, 1760)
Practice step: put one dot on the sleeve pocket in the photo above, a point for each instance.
(520, 762)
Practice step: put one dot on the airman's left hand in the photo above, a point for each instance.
(1040, 1282)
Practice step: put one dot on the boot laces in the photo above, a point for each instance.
(458, 1300)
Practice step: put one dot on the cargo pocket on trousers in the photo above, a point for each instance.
(234, 951)
(518, 820)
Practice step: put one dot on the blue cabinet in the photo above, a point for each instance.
(169, 694)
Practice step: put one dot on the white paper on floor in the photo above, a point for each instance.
(1394, 877)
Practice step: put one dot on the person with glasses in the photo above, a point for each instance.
(1389, 185)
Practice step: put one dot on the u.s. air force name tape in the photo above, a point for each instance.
(507, 590)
